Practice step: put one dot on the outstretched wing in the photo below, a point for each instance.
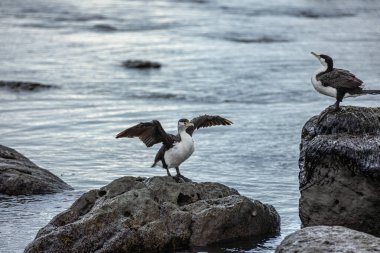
(340, 78)
(148, 132)
(207, 121)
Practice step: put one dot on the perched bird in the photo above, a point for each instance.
(337, 83)
(176, 148)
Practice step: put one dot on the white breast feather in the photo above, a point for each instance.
(180, 152)
(328, 91)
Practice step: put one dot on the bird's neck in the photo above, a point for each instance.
(330, 67)
(183, 134)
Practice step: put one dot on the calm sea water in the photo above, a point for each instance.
(249, 61)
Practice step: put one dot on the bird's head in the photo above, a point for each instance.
(183, 124)
(325, 60)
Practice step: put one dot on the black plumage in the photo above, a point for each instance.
(207, 121)
(343, 81)
(340, 78)
(151, 133)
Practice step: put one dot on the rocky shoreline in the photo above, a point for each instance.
(20, 176)
(340, 170)
(339, 183)
(155, 214)
(329, 239)
(339, 204)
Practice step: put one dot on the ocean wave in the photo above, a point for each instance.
(190, 98)
(79, 17)
(262, 39)
(308, 13)
(294, 12)
(193, 1)
(158, 95)
(228, 97)
(69, 17)
(42, 25)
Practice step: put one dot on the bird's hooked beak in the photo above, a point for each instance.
(189, 124)
(316, 55)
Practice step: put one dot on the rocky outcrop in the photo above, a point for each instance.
(154, 214)
(19, 176)
(340, 170)
(24, 86)
(322, 239)
(141, 64)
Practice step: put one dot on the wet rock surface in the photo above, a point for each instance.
(322, 239)
(19, 176)
(340, 170)
(155, 214)
(24, 86)
(141, 64)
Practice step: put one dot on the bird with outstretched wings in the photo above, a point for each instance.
(179, 147)
(207, 121)
(152, 132)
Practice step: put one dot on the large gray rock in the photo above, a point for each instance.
(340, 170)
(24, 86)
(323, 239)
(155, 214)
(19, 176)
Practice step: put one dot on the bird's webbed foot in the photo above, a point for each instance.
(180, 177)
(183, 178)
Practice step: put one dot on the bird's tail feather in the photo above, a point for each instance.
(371, 92)
(153, 165)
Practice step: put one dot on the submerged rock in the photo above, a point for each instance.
(104, 28)
(340, 170)
(24, 86)
(155, 214)
(321, 239)
(140, 64)
(19, 176)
